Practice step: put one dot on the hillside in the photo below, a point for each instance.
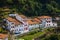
(30, 7)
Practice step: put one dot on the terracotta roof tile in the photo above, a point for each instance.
(44, 17)
(32, 22)
(13, 20)
(29, 22)
(2, 36)
(36, 19)
(23, 16)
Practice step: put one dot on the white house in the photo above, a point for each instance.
(16, 25)
(57, 18)
(33, 23)
(47, 21)
(21, 24)
(23, 19)
(3, 37)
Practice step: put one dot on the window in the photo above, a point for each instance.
(53, 24)
(12, 23)
(47, 18)
(12, 27)
(26, 28)
(25, 25)
(49, 24)
(15, 30)
(49, 21)
(31, 24)
(19, 29)
(4, 21)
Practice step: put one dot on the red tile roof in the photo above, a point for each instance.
(23, 16)
(32, 21)
(44, 17)
(14, 20)
(2, 36)
(36, 19)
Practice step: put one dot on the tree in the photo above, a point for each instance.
(52, 37)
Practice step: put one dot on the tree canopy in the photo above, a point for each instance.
(33, 7)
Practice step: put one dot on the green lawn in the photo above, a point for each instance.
(33, 35)
(30, 37)
(50, 36)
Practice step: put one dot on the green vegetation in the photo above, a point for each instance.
(47, 34)
(32, 7)
(51, 34)
(3, 30)
(51, 37)
(29, 7)
(30, 36)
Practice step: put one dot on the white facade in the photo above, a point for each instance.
(20, 28)
(57, 18)
(47, 22)
(16, 28)
(33, 26)
(25, 27)
(25, 24)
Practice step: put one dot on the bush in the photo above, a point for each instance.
(52, 37)
(31, 33)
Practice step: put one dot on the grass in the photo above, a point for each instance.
(34, 35)
(30, 37)
(48, 36)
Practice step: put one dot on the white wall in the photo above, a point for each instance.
(48, 24)
(6, 38)
(10, 25)
(54, 24)
(1, 39)
(34, 26)
(18, 30)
